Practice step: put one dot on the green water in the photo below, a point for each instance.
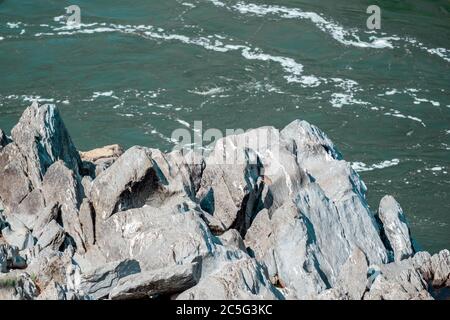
(135, 71)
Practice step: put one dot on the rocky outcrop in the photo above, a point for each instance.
(395, 228)
(266, 214)
(160, 282)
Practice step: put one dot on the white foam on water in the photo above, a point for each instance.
(336, 31)
(208, 92)
(184, 123)
(188, 4)
(420, 100)
(398, 114)
(362, 167)
(348, 37)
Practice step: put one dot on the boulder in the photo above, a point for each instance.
(18, 287)
(52, 236)
(99, 282)
(4, 140)
(42, 138)
(10, 258)
(157, 283)
(13, 168)
(61, 186)
(352, 279)
(395, 228)
(17, 234)
(97, 160)
(241, 279)
(110, 151)
(87, 220)
(156, 237)
(142, 176)
(125, 185)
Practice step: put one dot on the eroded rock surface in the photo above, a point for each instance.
(265, 214)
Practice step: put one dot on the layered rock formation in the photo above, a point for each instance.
(289, 220)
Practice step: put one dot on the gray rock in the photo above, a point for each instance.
(412, 278)
(61, 186)
(440, 268)
(126, 184)
(52, 236)
(48, 214)
(232, 238)
(242, 279)
(20, 287)
(30, 208)
(42, 137)
(87, 220)
(231, 183)
(395, 228)
(156, 237)
(141, 176)
(4, 140)
(352, 280)
(160, 282)
(10, 258)
(13, 168)
(53, 291)
(50, 265)
(316, 212)
(99, 282)
(17, 234)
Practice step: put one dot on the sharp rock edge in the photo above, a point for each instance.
(291, 221)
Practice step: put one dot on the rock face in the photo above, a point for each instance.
(266, 214)
(395, 228)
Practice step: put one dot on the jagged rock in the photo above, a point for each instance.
(267, 214)
(241, 279)
(315, 207)
(3, 139)
(13, 169)
(53, 291)
(20, 287)
(141, 176)
(352, 279)
(412, 278)
(99, 282)
(405, 284)
(156, 237)
(87, 220)
(42, 138)
(97, 160)
(86, 182)
(231, 182)
(110, 151)
(10, 258)
(440, 268)
(30, 208)
(52, 236)
(395, 227)
(48, 214)
(126, 184)
(233, 238)
(160, 282)
(61, 186)
(17, 234)
(50, 265)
